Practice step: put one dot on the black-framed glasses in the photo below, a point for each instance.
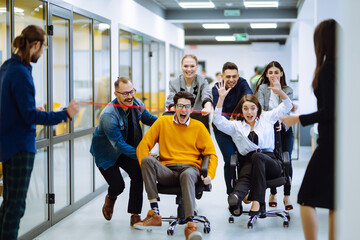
(181, 106)
(125, 94)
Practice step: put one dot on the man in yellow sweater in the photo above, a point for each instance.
(182, 141)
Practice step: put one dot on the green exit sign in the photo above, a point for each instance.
(241, 36)
(231, 12)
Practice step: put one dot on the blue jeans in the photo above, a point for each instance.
(287, 142)
(227, 148)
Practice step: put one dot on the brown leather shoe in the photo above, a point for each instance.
(191, 232)
(152, 221)
(108, 208)
(135, 218)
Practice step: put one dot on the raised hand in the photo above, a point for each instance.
(222, 90)
(73, 108)
(276, 86)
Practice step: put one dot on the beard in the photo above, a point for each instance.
(35, 57)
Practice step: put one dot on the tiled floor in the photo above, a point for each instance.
(88, 222)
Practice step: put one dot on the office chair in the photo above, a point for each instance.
(176, 190)
(284, 179)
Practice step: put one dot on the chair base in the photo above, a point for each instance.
(273, 213)
(173, 221)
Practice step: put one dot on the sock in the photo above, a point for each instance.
(154, 206)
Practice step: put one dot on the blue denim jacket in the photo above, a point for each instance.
(109, 140)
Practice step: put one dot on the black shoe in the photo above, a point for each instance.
(261, 212)
(235, 206)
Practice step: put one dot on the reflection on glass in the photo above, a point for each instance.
(146, 89)
(36, 211)
(125, 54)
(154, 77)
(83, 167)
(26, 13)
(137, 65)
(61, 175)
(3, 32)
(60, 69)
(82, 45)
(162, 84)
(101, 66)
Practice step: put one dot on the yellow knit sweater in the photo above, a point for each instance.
(179, 144)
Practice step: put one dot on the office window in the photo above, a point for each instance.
(82, 53)
(3, 32)
(137, 66)
(125, 54)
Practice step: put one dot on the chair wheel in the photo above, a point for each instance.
(206, 229)
(288, 217)
(250, 225)
(286, 224)
(231, 219)
(170, 232)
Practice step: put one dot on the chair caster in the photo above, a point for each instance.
(250, 225)
(206, 229)
(170, 232)
(231, 219)
(286, 224)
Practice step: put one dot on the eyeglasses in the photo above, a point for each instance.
(125, 94)
(181, 106)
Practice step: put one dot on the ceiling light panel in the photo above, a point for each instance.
(263, 25)
(261, 4)
(196, 4)
(225, 38)
(216, 26)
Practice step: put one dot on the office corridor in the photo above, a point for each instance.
(89, 223)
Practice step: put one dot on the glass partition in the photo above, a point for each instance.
(82, 54)
(137, 65)
(61, 172)
(162, 84)
(4, 30)
(61, 71)
(36, 211)
(101, 66)
(154, 94)
(83, 167)
(125, 54)
(26, 13)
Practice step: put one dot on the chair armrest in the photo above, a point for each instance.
(286, 162)
(205, 165)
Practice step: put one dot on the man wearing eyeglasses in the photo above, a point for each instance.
(182, 140)
(114, 146)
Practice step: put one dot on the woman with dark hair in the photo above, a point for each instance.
(269, 101)
(252, 131)
(317, 188)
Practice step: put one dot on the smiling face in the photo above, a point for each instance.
(182, 110)
(250, 111)
(230, 77)
(189, 67)
(274, 73)
(125, 94)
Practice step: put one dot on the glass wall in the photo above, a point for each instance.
(82, 50)
(137, 65)
(61, 69)
(176, 55)
(125, 54)
(162, 84)
(102, 77)
(26, 13)
(4, 30)
(75, 66)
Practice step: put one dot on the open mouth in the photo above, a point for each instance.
(130, 100)
(182, 117)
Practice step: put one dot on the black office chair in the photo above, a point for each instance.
(176, 190)
(284, 179)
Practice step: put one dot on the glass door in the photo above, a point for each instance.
(60, 26)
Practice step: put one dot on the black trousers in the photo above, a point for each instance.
(116, 182)
(256, 168)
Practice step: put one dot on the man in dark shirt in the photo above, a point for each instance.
(239, 88)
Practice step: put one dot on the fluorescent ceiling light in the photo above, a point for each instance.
(225, 38)
(196, 4)
(103, 26)
(261, 4)
(16, 10)
(216, 26)
(263, 25)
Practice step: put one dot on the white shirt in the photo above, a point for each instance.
(264, 128)
(274, 100)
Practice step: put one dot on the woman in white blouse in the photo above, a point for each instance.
(252, 131)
